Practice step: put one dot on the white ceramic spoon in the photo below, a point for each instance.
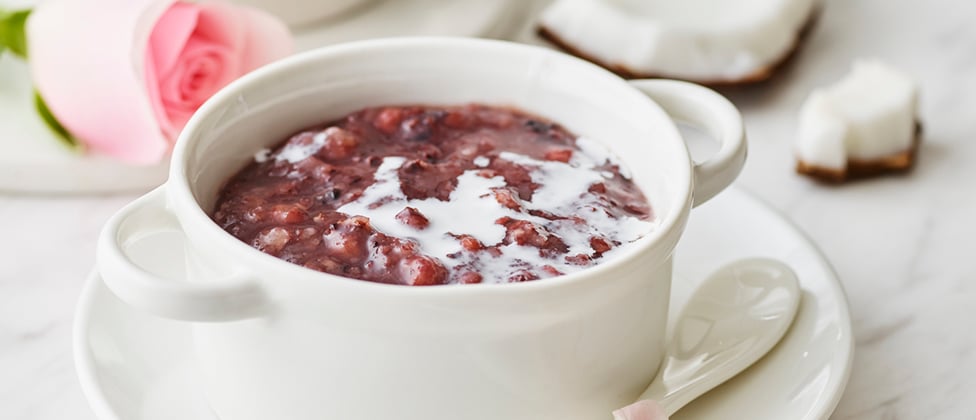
(734, 318)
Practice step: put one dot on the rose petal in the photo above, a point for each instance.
(169, 36)
(87, 62)
(202, 70)
(166, 42)
(267, 39)
(206, 68)
(641, 410)
(222, 23)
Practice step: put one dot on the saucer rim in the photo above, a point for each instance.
(837, 289)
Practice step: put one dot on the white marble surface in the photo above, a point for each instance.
(899, 244)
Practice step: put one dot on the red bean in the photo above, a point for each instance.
(412, 217)
(523, 275)
(339, 144)
(506, 198)
(422, 271)
(272, 240)
(288, 214)
(470, 277)
(470, 243)
(525, 233)
(388, 120)
(552, 271)
(599, 245)
(560, 155)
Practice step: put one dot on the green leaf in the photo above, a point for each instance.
(59, 131)
(12, 31)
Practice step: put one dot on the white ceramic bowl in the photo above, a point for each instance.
(276, 340)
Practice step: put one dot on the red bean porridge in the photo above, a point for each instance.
(423, 195)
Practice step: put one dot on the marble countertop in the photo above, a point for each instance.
(898, 243)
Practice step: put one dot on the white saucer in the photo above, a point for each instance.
(134, 366)
(389, 18)
(34, 161)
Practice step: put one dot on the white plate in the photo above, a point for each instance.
(34, 161)
(137, 367)
(389, 18)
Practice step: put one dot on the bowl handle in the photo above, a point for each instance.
(227, 299)
(704, 108)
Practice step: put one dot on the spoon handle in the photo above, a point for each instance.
(734, 318)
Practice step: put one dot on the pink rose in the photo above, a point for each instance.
(124, 76)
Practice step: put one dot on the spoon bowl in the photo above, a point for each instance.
(734, 318)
